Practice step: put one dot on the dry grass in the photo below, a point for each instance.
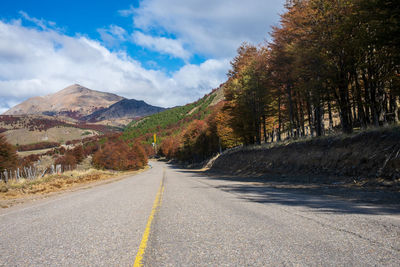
(55, 134)
(338, 135)
(54, 183)
(31, 152)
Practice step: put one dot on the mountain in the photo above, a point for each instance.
(75, 101)
(126, 108)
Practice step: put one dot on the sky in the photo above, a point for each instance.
(165, 52)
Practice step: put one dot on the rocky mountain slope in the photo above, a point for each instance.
(126, 108)
(74, 101)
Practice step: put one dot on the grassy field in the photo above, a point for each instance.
(56, 134)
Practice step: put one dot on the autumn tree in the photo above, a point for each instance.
(8, 155)
(245, 93)
(326, 57)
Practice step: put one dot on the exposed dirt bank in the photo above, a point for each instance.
(368, 159)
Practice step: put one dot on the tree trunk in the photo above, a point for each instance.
(279, 119)
(310, 116)
(290, 101)
(345, 111)
(265, 129)
(360, 108)
(330, 115)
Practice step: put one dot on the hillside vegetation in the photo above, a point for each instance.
(368, 158)
(188, 133)
(31, 129)
(169, 121)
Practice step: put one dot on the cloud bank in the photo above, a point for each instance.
(211, 28)
(42, 59)
(38, 62)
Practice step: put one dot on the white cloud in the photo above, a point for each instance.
(212, 28)
(43, 60)
(6, 103)
(198, 78)
(161, 44)
(113, 35)
(38, 62)
(43, 24)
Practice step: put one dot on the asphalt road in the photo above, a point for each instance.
(201, 221)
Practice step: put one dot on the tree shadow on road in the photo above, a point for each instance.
(325, 197)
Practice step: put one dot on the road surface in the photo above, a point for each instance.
(198, 221)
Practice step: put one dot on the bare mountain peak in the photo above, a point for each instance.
(75, 101)
(75, 88)
(78, 89)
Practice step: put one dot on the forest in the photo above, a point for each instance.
(330, 67)
(327, 59)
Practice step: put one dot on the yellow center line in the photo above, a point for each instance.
(145, 238)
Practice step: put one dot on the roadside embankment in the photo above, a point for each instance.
(23, 190)
(364, 158)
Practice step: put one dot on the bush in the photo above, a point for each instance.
(8, 156)
(37, 146)
(67, 160)
(28, 160)
(77, 152)
(120, 156)
(90, 148)
(170, 146)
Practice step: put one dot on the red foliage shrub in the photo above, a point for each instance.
(28, 160)
(90, 148)
(97, 127)
(120, 156)
(33, 124)
(8, 156)
(37, 146)
(170, 146)
(61, 150)
(149, 150)
(67, 160)
(77, 152)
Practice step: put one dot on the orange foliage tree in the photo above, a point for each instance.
(120, 156)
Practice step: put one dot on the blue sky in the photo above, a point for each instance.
(166, 52)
